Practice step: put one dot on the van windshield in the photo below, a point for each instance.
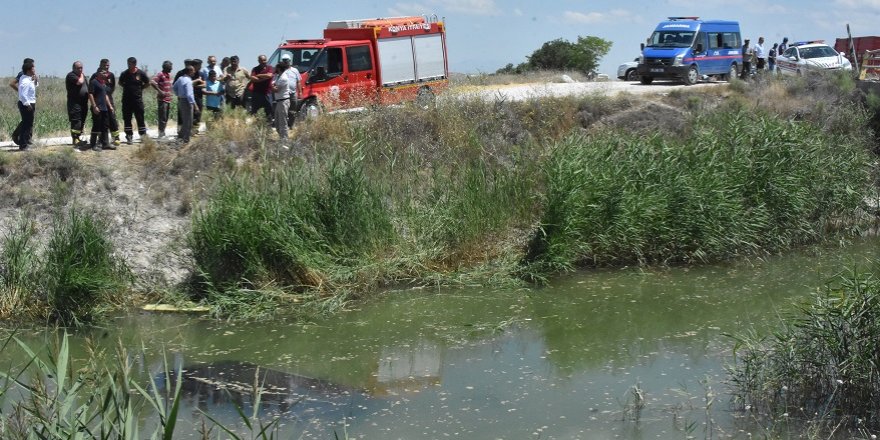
(671, 39)
(301, 58)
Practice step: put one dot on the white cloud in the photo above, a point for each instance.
(471, 7)
(404, 9)
(66, 28)
(518, 12)
(582, 18)
(859, 4)
(612, 16)
(293, 14)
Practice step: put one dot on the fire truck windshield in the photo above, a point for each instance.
(301, 58)
(671, 39)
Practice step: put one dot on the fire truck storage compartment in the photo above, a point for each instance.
(410, 59)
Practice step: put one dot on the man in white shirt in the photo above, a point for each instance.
(281, 95)
(27, 104)
(295, 91)
(760, 54)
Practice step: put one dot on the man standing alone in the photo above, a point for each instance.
(186, 100)
(133, 82)
(27, 104)
(77, 102)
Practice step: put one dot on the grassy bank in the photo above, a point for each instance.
(477, 192)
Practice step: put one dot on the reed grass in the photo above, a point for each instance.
(822, 364)
(81, 273)
(742, 183)
(49, 395)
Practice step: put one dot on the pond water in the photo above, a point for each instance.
(564, 361)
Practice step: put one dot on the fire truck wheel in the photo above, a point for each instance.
(646, 80)
(311, 110)
(425, 98)
(692, 76)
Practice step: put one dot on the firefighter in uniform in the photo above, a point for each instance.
(77, 102)
(110, 85)
(133, 82)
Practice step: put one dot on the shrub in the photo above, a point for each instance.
(81, 272)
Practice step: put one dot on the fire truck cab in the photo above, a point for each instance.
(369, 61)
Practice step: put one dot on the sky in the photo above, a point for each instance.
(482, 35)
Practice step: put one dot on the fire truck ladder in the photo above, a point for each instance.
(870, 65)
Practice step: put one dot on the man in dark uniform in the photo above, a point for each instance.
(77, 102)
(110, 84)
(198, 90)
(102, 106)
(133, 82)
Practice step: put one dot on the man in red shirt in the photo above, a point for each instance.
(162, 83)
(261, 77)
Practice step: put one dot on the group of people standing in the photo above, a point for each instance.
(196, 88)
(760, 57)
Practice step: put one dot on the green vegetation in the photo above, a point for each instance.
(71, 280)
(822, 364)
(582, 56)
(51, 396)
(741, 183)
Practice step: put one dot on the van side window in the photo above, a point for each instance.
(359, 58)
(716, 40)
(730, 40)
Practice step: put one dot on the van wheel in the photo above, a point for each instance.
(692, 76)
(310, 110)
(732, 73)
(425, 98)
(632, 75)
(646, 80)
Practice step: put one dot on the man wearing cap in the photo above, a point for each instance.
(281, 95)
(294, 78)
(77, 102)
(783, 46)
(236, 79)
(747, 54)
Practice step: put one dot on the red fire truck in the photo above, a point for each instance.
(370, 61)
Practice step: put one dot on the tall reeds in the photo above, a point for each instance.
(70, 280)
(822, 363)
(741, 183)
